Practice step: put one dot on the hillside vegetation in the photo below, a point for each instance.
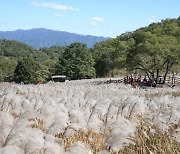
(153, 51)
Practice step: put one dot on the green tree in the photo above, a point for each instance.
(7, 66)
(42, 73)
(103, 64)
(153, 54)
(53, 52)
(76, 62)
(110, 56)
(1, 76)
(30, 71)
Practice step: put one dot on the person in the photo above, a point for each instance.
(145, 81)
(39, 82)
(22, 83)
(153, 84)
(139, 79)
(131, 80)
(125, 80)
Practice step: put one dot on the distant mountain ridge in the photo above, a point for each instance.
(40, 37)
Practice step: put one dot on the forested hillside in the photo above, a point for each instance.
(40, 37)
(154, 51)
(12, 52)
(20, 62)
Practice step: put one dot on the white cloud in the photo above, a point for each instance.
(54, 6)
(96, 21)
(152, 19)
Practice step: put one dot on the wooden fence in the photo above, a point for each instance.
(169, 80)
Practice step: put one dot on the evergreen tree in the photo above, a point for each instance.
(76, 62)
(30, 71)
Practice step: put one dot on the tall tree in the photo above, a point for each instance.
(30, 71)
(103, 65)
(111, 56)
(76, 62)
(7, 66)
(153, 54)
(1, 76)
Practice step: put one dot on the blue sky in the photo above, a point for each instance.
(108, 18)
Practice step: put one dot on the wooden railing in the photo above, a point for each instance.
(114, 81)
(169, 79)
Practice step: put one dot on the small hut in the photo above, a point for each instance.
(58, 78)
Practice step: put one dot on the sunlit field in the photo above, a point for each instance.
(84, 117)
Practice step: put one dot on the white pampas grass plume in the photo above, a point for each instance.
(11, 149)
(79, 148)
(6, 126)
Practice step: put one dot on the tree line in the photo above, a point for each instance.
(153, 51)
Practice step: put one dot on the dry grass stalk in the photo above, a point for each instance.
(151, 140)
(94, 140)
(173, 94)
(38, 123)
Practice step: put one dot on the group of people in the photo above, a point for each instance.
(139, 81)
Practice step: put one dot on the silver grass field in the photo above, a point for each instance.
(84, 117)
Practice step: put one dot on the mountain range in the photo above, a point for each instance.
(40, 37)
